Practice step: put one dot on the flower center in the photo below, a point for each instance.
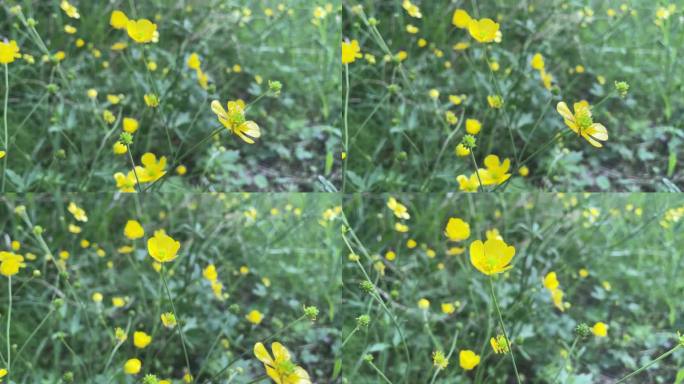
(583, 118)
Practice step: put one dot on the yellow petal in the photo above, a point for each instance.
(280, 353)
(217, 108)
(564, 111)
(262, 354)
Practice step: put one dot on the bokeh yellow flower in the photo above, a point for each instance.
(162, 247)
(491, 257)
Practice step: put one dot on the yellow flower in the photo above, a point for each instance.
(152, 169)
(168, 319)
(468, 183)
(2, 154)
(448, 308)
(132, 366)
(118, 301)
(491, 257)
(473, 126)
(119, 148)
(133, 230)
(280, 367)
(350, 51)
(412, 29)
(457, 229)
(141, 31)
(255, 317)
(524, 171)
(234, 120)
(495, 101)
(10, 263)
(398, 208)
(151, 100)
(181, 170)
(194, 61)
(209, 273)
(97, 297)
(483, 30)
(424, 304)
(9, 52)
(130, 124)
(537, 62)
(581, 123)
(399, 227)
(600, 329)
(499, 344)
(551, 281)
(108, 116)
(126, 183)
(439, 360)
(162, 247)
(461, 19)
(412, 9)
(118, 20)
(468, 359)
(141, 339)
(78, 213)
(70, 29)
(69, 9)
(496, 172)
(583, 272)
(410, 244)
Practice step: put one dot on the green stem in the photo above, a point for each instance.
(346, 124)
(7, 335)
(379, 372)
(477, 172)
(349, 336)
(6, 141)
(657, 359)
(179, 323)
(503, 329)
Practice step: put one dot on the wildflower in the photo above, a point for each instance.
(457, 229)
(350, 51)
(69, 9)
(424, 304)
(496, 171)
(168, 319)
(120, 335)
(491, 257)
(118, 20)
(363, 321)
(468, 359)
(412, 29)
(153, 169)
(468, 183)
(151, 100)
(434, 94)
(210, 273)
(451, 118)
(280, 367)
(399, 227)
(125, 183)
(141, 339)
(412, 9)
(523, 171)
(234, 120)
(70, 29)
(130, 124)
(398, 209)
(119, 148)
(10, 263)
(600, 329)
(582, 124)
(181, 170)
(9, 52)
(97, 297)
(483, 30)
(462, 150)
(133, 230)
(141, 31)
(108, 116)
(193, 61)
(255, 317)
(622, 87)
(448, 308)
(92, 94)
(118, 301)
(582, 330)
(461, 19)
(2, 154)
(311, 312)
(583, 272)
(473, 126)
(499, 344)
(78, 213)
(132, 366)
(537, 62)
(495, 101)
(553, 286)
(439, 360)
(162, 247)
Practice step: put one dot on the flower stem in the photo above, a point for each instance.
(346, 123)
(179, 323)
(657, 359)
(503, 329)
(6, 141)
(9, 322)
(379, 372)
(477, 172)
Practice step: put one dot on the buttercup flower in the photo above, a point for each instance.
(600, 329)
(461, 19)
(496, 172)
(10, 263)
(69, 9)
(132, 366)
(491, 257)
(582, 124)
(9, 51)
(133, 230)
(126, 183)
(118, 20)
(468, 183)
(499, 344)
(350, 51)
(168, 319)
(152, 169)
(162, 247)
(234, 120)
(141, 339)
(412, 9)
(141, 31)
(457, 229)
(398, 208)
(483, 30)
(280, 367)
(468, 359)
(255, 317)
(78, 213)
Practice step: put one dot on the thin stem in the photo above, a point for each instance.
(6, 141)
(379, 372)
(477, 172)
(664, 355)
(503, 329)
(130, 157)
(40, 325)
(346, 124)
(349, 336)
(7, 335)
(179, 323)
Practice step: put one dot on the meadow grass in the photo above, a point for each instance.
(76, 289)
(58, 137)
(400, 138)
(614, 257)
